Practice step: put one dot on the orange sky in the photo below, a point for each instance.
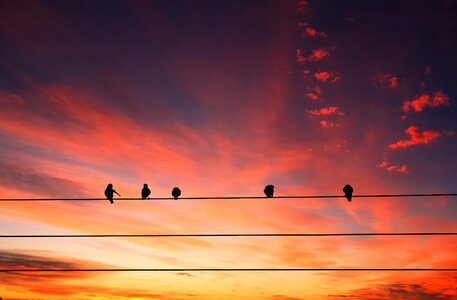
(221, 99)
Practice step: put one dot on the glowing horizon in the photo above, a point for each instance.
(221, 99)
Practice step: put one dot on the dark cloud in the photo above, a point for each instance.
(18, 177)
(400, 291)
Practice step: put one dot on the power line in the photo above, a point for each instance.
(236, 270)
(235, 197)
(227, 235)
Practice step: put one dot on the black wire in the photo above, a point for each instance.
(226, 235)
(235, 270)
(234, 197)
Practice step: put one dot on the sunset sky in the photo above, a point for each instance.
(221, 98)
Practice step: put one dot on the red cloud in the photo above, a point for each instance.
(425, 100)
(313, 92)
(332, 110)
(309, 31)
(386, 79)
(302, 6)
(327, 124)
(318, 54)
(393, 168)
(326, 76)
(416, 138)
(299, 56)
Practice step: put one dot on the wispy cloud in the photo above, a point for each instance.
(386, 79)
(327, 76)
(393, 168)
(416, 138)
(29, 181)
(326, 111)
(419, 103)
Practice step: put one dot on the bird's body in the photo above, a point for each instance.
(269, 190)
(348, 190)
(109, 193)
(176, 192)
(145, 192)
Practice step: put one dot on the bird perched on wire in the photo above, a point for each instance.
(176, 192)
(109, 193)
(269, 190)
(348, 190)
(145, 192)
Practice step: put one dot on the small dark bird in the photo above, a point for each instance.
(269, 190)
(145, 192)
(109, 193)
(348, 190)
(176, 192)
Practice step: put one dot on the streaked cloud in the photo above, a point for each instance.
(416, 137)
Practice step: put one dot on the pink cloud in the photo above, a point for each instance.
(331, 110)
(393, 168)
(425, 100)
(327, 76)
(416, 138)
(385, 79)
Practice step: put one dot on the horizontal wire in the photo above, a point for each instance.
(226, 235)
(234, 197)
(234, 270)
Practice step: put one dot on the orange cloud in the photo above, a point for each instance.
(393, 168)
(385, 79)
(416, 138)
(326, 76)
(425, 100)
(331, 110)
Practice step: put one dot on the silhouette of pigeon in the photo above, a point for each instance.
(269, 190)
(109, 193)
(348, 190)
(145, 192)
(176, 192)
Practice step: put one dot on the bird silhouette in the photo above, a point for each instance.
(145, 192)
(269, 190)
(176, 192)
(348, 190)
(109, 193)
